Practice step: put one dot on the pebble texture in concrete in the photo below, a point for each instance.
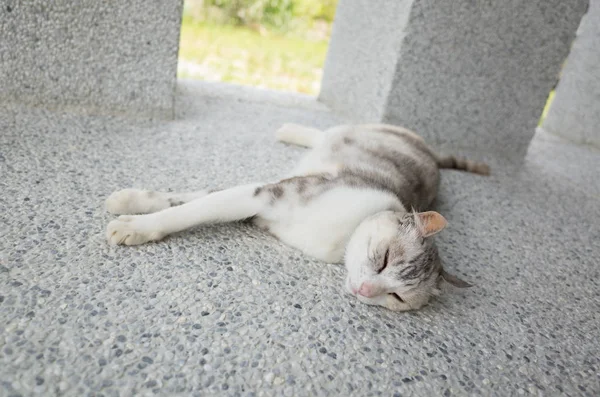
(228, 310)
(575, 110)
(465, 73)
(115, 57)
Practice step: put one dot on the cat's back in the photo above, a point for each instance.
(384, 156)
(360, 142)
(353, 173)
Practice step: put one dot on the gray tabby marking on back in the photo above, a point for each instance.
(395, 162)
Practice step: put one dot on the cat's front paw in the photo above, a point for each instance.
(406, 302)
(132, 230)
(389, 301)
(395, 303)
(136, 201)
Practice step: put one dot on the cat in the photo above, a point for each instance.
(360, 196)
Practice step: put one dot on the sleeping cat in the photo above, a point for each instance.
(356, 197)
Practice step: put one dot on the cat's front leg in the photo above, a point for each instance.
(137, 201)
(228, 205)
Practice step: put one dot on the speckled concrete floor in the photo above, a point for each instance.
(227, 310)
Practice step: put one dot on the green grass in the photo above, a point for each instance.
(546, 108)
(245, 56)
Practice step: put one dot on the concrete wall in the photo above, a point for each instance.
(575, 111)
(464, 74)
(106, 56)
(362, 56)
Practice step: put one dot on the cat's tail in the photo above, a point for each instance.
(460, 163)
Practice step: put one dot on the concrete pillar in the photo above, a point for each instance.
(96, 56)
(575, 110)
(472, 74)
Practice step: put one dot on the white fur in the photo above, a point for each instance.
(322, 227)
(136, 201)
(223, 206)
(299, 135)
(368, 238)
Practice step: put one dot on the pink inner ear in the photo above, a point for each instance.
(431, 222)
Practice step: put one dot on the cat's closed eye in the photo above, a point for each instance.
(385, 261)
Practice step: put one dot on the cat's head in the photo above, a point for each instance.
(393, 262)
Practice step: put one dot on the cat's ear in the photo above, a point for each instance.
(430, 223)
(452, 279)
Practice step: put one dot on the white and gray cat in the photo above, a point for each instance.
(355, 197)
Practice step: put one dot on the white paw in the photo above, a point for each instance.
(409, 302)
(393, 303)
(136, 201)
(287, 133)
(132, 230)
(388, 301)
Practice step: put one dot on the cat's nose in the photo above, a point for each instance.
(367, 290)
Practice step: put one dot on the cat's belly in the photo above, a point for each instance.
(322, 226)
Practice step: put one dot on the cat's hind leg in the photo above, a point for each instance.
(296, 134)
(137, 201)
(234, 204)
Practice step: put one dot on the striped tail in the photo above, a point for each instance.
(459, 163)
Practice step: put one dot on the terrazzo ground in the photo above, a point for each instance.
(228, 310)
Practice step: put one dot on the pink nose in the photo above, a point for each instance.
(354, 290)
(367, 290)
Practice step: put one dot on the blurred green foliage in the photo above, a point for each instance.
(276, 44)
(283, 15)
(238, 54)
